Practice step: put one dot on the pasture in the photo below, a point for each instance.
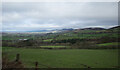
(53, 46)
(109, 44)
(65, 58)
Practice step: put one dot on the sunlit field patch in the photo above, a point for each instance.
(53, 46)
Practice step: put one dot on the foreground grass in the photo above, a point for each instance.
(68, 58)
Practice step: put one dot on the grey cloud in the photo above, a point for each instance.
(29, 16)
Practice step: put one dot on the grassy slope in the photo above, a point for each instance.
(53, 46)
(109, 44)
(48, 40)
(70, 58)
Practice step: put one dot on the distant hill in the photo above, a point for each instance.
(39, 31)
(70, 29)
(114, 28)
(96, 28)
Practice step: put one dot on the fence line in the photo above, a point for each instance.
(36, 63)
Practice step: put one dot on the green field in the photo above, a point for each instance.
(109, 44)
(48, 40)
(67, 58)
(53, 46)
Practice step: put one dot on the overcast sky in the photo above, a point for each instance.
(28, 16)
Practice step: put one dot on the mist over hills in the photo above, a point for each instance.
(65, 29)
